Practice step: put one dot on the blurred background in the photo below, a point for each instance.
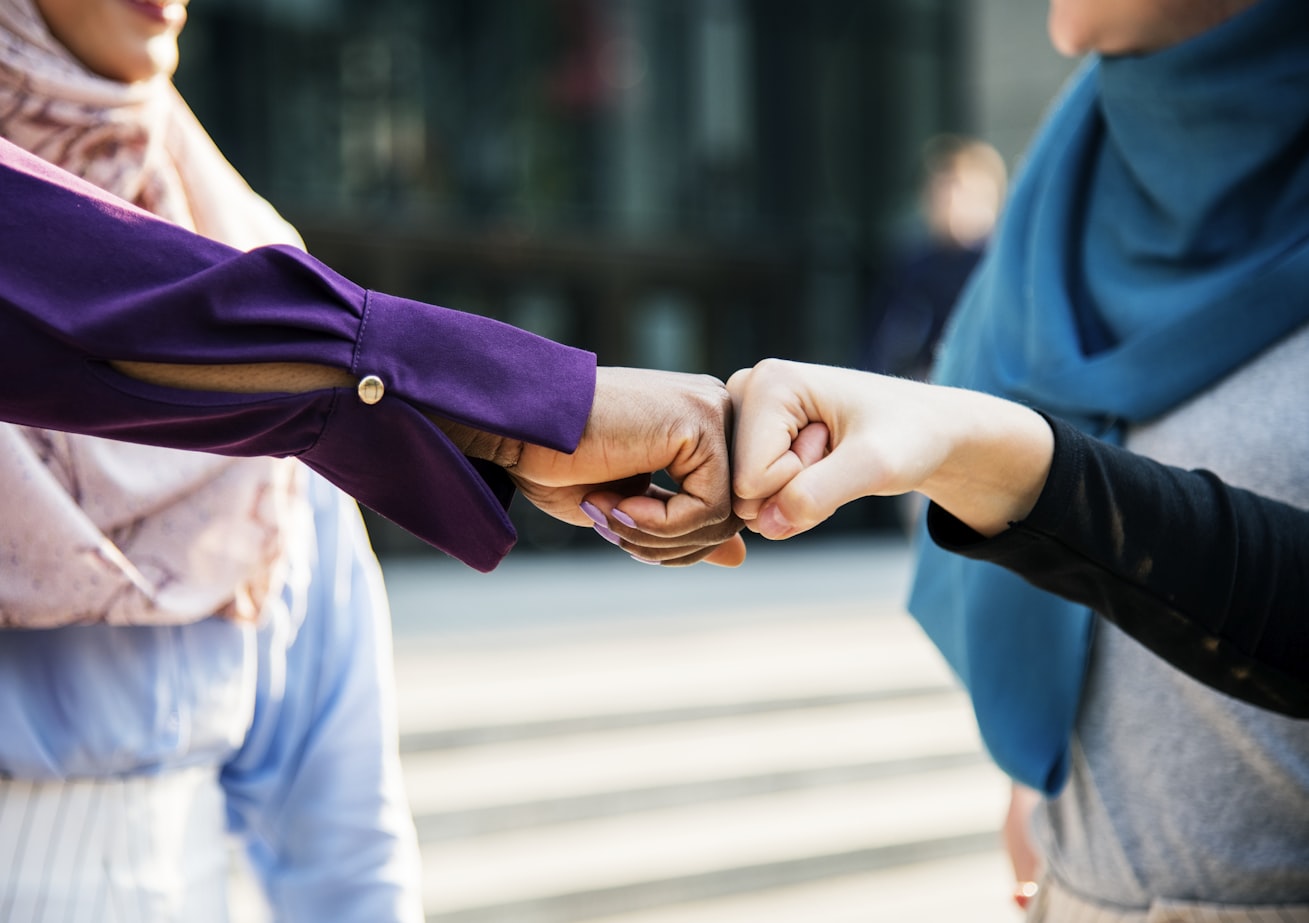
(694, 185)
(686, 184)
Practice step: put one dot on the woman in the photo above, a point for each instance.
(1147, 284)
(207, 642)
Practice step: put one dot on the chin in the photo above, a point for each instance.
(1067, 38)
(151, 63)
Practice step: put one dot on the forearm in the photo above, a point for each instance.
(261, 378)
(302, 377)
(1212, 578)
(88, 280)
(810, 438)
(317, 781)
(996, 460)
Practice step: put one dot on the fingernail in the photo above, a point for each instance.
(607, 534)
(771, 521)
(623, 518)
(593, 513)
(644, 561)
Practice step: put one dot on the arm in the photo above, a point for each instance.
(89, 281)
(316, 790)
(644, 419)
(1072, 515)
(1212, 578)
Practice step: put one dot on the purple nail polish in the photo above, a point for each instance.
(644, 561)
(623, 518)
(593, 513)
(607, 534)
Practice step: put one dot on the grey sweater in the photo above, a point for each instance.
(1177, 791)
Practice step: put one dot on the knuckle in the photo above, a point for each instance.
(748, 486)
(803, 508)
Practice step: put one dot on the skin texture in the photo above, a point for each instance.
(641, 422)
(811, 438)
(645, 421)
(1017, 838)
(124, 40)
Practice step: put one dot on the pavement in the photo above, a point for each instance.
(586, 738)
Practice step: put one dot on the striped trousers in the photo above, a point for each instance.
(140, 849)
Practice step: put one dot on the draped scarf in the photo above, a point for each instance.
(101, 531)
(1156, 239)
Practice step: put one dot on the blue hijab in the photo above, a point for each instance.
(1156, 240)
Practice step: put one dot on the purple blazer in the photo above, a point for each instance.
(87, 278)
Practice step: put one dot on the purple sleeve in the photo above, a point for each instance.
(87, 278)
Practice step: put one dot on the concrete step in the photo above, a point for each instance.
(457, 692)
(958, 889)
(613, 865)
(589, 740)
(484, 789)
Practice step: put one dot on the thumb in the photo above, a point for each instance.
(814, 494)
(730, 553)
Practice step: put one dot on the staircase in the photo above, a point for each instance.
(588, 739)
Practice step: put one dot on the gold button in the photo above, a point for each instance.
(371, 389)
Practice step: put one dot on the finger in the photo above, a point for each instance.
(746, 510)
(813, 495)
(810, 446)
(737, 384)
(623, 516)
(730, 553)
(704, 501)
(768, 424)
(727, 554)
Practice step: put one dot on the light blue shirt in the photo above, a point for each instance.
(297, 712)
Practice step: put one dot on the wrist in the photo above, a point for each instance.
(996, 464)
(476, 443)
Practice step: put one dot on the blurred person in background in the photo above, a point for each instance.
(192, 643)
(963, 188)
(1147, 283)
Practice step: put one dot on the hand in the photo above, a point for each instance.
(811, 438)
(1018, 843)
(642, 422)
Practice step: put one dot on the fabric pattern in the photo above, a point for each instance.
(109, 849)
(102, 530)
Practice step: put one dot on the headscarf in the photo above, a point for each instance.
(1156, 240)
(100, 531)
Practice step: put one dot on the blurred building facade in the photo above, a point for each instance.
(687, 184)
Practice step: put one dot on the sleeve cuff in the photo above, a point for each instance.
(1052, 506)
(477, 371)
(396, 462)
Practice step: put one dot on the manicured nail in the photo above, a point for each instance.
(607, 534)
(623, 518)
(593, 513)
(644, 561)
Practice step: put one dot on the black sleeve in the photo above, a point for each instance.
(1212, 578)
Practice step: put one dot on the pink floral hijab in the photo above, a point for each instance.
(95, 530)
